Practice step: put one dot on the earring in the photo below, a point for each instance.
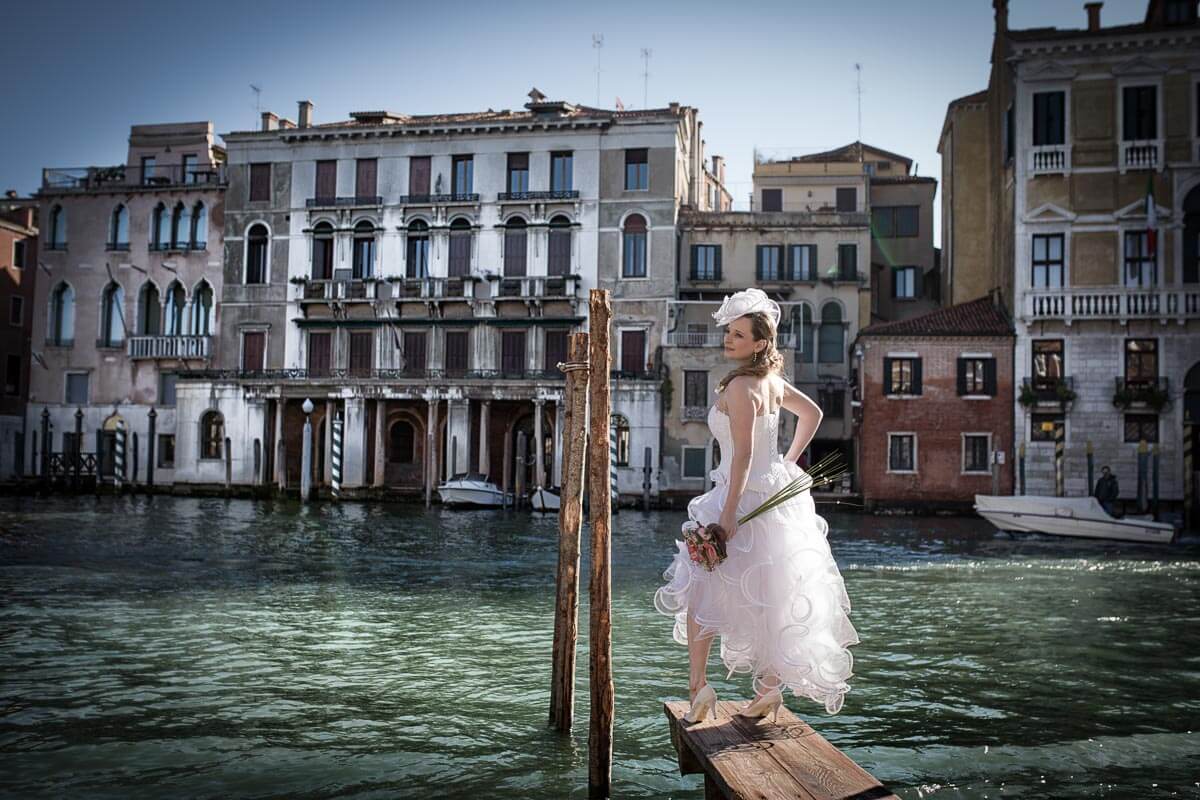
(755, 359)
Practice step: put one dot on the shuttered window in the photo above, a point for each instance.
(772, 199)
(326, 180)
(260, 183)
(457, 355)
(514, 248)
(364, 178)
(254, 350)
(1049, 123)
(320, 350)
(901, 376)
(556, 349)
(360, 352)
(418, 175)
(512, 353)
(518, 173)
(976, 376)
(559, 256)
(633, 352)
(414, 352)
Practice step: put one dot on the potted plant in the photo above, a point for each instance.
(1027, 397)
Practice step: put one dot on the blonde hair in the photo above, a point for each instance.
(770, 360)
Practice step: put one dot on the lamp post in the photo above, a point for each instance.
(306, 452)
(150, 441)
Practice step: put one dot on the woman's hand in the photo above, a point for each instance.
(728, 523)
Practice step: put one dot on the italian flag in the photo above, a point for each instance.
(1151, 217)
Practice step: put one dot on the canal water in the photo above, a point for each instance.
(209, 648)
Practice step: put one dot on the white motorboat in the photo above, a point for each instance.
(471, 489)
(1068, 516)
(542, 499)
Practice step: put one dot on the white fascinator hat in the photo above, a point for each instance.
(747, 301)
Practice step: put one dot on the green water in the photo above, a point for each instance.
(210, 648)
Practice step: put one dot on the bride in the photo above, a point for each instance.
(778, 600)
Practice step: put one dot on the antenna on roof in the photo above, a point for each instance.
(858, 91)
(646, 53)
(597, 43)
(257, 105)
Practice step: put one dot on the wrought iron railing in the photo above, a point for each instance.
(523, 197)
(142, 347)
(122, 175)
(437, 199)
(343, 202)
(375, 374)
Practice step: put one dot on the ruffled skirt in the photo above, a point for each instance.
(778, 601)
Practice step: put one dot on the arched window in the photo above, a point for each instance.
(181, 227)
(199, 226)
(559, 250)
(173, 313)
(112, 316)
(418, 250)
(460, 248)
(256, 254)
(802, 326)
(402, 443)
(202, 303)
(149, 310)
(212, 434)
(58, 228)
(322, 264)
(832, 347)
(62, 316)
(633, 252)
(118, 229)
(515, 248)
(160, 228)
(364, 251)
(621, 425)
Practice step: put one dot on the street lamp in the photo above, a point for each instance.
(306, 452)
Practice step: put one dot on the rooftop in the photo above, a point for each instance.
(855, 151)
(980, 317)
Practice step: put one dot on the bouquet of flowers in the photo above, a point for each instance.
(706, 544)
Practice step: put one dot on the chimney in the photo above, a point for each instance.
(1093, 12)
(11, 194)
(1001, 8)
(305, 116)
(286, 124)
(718, 168)
(270, 122)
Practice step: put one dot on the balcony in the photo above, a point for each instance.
(178, 347)
(1050, 159)
(693, 414)
(695, 339)
(326, 290)
(433, 288)
(93, 179)
(1144, 154)
(531, 197)
(420, 374)
(457, 198)
(1150, 393)
(344, 202)
(1119, 303)
(1047, 393)
(537, 287)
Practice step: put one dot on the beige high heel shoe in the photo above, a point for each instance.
(704, 704)
(769, 703)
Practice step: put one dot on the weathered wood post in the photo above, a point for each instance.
(1021, 466)
(1142, 452)
(1154, 481)
(150, 441)
(646, 481)
(133, 473)
(522, 465)
(1091, 464)
(1188, 478)
(77, 455)
(228, 466)
(570, 521)
(45, 465)
(599, 590)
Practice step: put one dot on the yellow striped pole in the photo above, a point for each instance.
(1060, 440)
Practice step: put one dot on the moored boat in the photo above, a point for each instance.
(471, 489)
(1068, 516)
(545, 499)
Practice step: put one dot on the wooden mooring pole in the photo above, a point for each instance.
(600, 735)
(570, 521)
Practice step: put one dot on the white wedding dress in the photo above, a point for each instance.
(778, 601)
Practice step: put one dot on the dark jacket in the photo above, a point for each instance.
(1107, 489)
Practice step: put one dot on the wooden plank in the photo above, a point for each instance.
(761, 759)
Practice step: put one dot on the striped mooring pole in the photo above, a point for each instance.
(119, 454)
(612, 466)
(1060, 435)
(337, 456)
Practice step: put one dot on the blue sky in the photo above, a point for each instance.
(763, 74)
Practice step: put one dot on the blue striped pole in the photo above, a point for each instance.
(337, 457)
(119, 454)
(612, 466)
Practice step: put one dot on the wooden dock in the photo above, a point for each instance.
(756, 759)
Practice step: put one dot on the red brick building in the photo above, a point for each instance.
(18, 273)
(936, 399)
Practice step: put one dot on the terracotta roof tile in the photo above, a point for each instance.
(979, 317)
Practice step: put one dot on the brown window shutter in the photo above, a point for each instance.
(512, 353)
(326, 180)
(514, 252)
(633, 352)
(319, 347)
(364, 184)
(559, 252)
(456, 352)
(556, 350)
(260, 183)
(418, 175)
(414, 352)
(254, 346)
(360, 352)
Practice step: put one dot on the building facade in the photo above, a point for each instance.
(127, 299)
(936, 407)
(1096, 125)
(417, 277)
(18, 276)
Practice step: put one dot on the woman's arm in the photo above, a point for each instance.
(740, 407)
(808, 418)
